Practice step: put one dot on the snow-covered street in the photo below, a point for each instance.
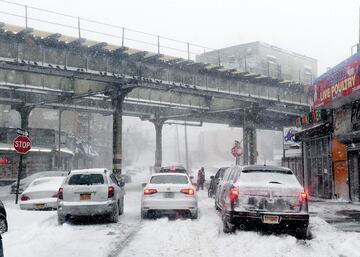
(36, 233)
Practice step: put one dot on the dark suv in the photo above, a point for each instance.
(215, 181)
(266, 197)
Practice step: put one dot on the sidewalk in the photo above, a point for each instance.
(343, 215)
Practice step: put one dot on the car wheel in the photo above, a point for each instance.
(228, 228)
(114, 215)
(143, 215)
(121, 208)
(61, 219)
(301, 234)
(195, 215)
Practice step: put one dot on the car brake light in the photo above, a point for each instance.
(187, 191)
(60, 194)
(24, 198)
(303, 196)
(149, 191)
(234, 194)
(111, 191)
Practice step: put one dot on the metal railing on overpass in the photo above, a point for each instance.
(39, 18)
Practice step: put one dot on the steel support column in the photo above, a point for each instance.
(245, 147)
(252, 146)
(158, 123)
(117, 102)
(249, 145)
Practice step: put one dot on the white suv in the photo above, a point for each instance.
(91, 192)
(169, 193)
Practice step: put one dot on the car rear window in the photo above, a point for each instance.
(86, 179)
(169, 180)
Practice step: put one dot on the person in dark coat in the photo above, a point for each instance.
(200, 179)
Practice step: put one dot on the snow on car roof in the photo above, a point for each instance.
(95, 170)
(45, 184)
(266, 167)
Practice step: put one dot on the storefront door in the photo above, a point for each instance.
(341, 180)
(354, 164)
(318, 169)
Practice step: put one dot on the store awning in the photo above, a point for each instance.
(318, 130)
(350, 138)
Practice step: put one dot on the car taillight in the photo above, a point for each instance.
(187, 191)
(111, 191)
(55, 195)
(234, 194)
(303, 196)
(60, 194)
(24, 198)
(149, 191)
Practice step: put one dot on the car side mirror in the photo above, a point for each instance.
(191, 177)
(144, 184)
(212, 177)
(3, 224)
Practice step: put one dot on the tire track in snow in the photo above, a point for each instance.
(205, 241)
(123, 241)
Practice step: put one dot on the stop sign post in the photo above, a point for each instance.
(22, 145)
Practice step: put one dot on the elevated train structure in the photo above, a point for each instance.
(41, 69)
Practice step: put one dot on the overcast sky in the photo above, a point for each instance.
(322, 29)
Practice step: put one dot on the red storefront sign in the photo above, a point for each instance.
(4, 160)
(337, 83)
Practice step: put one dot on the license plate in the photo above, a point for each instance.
(271, 219)
(40, 206)
(85, 197)
(169, 195)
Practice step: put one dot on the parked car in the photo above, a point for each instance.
(25, 182)
(214, 181)
(266, 197)
(169, 193)
(91, 192)
(41, 194)
(223, 183)
(3, 226)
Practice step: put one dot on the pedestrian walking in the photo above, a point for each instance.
(200, 179)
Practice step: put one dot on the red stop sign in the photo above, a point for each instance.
(22, 144)
(236, 151)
